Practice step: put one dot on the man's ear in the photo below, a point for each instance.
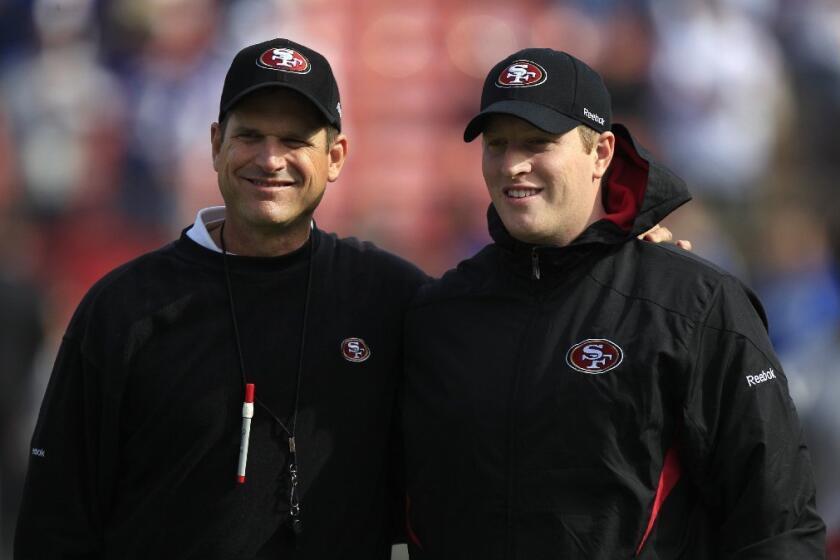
(337, 154)
(604, 151)
(215, 141)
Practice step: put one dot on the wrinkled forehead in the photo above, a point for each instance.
(279, 102)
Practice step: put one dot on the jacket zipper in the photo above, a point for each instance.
(510, 538)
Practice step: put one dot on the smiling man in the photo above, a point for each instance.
(547, 197)
(274, 158)
(231, 395)
(573, 392)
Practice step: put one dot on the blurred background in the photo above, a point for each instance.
(105, 112)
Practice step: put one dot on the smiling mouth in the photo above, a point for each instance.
(269, 182)
(520, 192)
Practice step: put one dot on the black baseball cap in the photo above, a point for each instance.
(552, 90)
(282, 63)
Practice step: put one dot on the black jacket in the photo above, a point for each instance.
(135, 451)
(609, 399)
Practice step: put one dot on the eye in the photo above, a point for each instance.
(295, 142)
(538, 143)
(495, 144)
(248, 135)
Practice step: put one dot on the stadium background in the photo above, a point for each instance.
(105, 109)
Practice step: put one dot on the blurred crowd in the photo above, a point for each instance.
(105, 112)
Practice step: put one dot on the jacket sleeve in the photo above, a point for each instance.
(743, 443)
(61, 513)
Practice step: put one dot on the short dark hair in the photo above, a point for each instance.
(332, 134)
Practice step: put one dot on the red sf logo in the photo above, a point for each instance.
(284, 60)
(355, 350)
(522, 73)
(594, 356)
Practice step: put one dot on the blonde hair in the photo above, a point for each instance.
(588, 137)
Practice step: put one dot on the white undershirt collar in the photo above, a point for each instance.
(206, 217)
(199, 232)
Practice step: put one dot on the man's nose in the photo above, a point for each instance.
(515, 161)
(272, 155)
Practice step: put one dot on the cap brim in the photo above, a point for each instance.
(330, 118)
(540, 116)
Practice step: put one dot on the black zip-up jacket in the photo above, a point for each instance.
(605, 400)
(136, 448)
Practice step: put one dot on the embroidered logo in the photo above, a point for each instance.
(761, 377)
(522, 73)
(39, 452)
(284, 60)
(594, 356)
(355, 350)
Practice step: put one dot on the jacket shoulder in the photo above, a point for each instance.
(366, 258)
(470, 276)
(676, 280)
(123, 285)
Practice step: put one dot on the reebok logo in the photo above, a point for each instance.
(590, 115)
(38, 452)
(761, 377)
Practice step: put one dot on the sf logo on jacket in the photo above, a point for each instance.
(594, 356)
(355, 349)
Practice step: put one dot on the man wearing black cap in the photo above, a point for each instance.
(231, 395)
(573, 392)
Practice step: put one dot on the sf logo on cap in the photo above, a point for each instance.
(284, 60)
(594, 356)
(355, 350)
(522, 73)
